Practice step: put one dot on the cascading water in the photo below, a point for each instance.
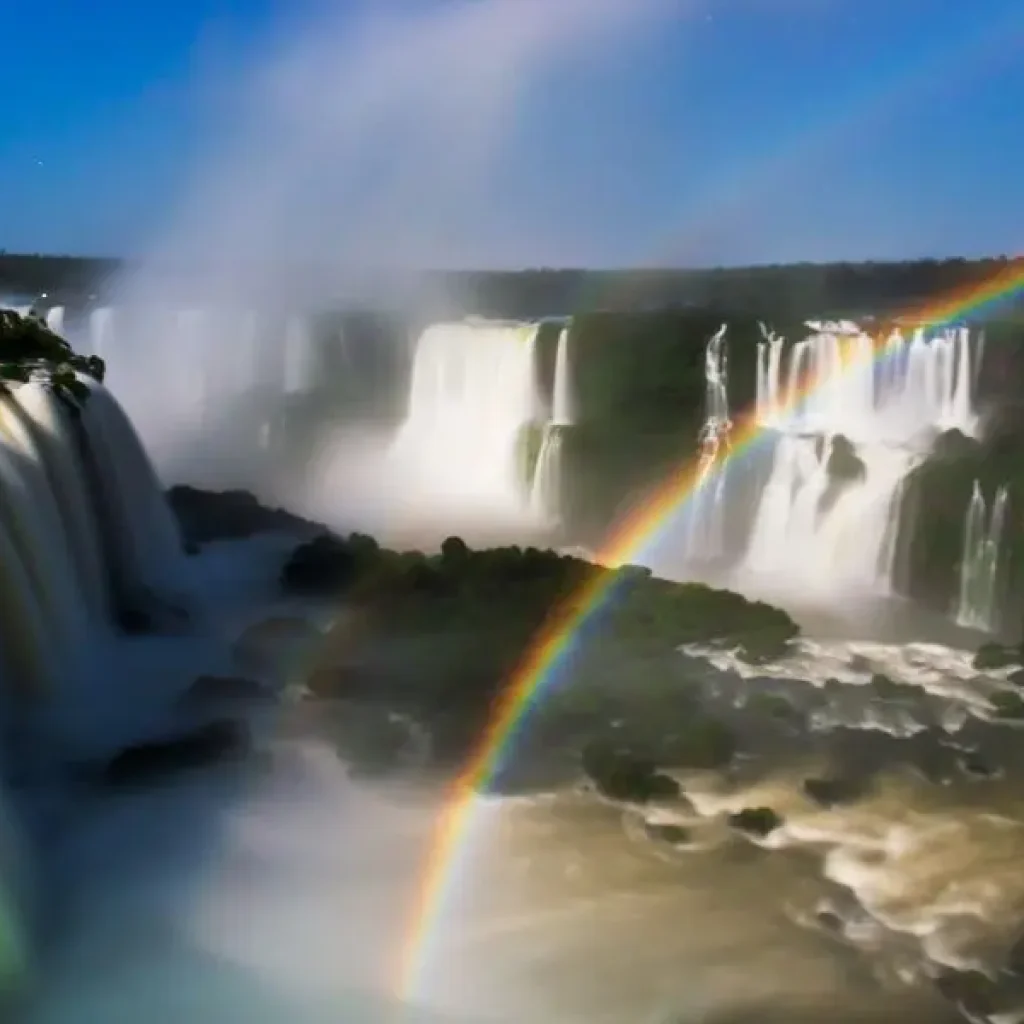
(848, 429)
(546, 490)
(977, 605)
(299, 366)
(472, 396)
(704, 525)
(55, 583)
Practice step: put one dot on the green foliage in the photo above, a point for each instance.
(509, 594)
(30, 350)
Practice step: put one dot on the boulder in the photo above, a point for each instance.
(677, 835)
(620, 775)
(756, 821)
(844, 464)
(996, 656)
(834, 792)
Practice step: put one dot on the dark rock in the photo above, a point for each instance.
(620, 775)
(832, 792)
(975, 766)
(885, 688)
(970, 991)
(218, 688)
(677, 835)
(325, 565)
(844, 464)
(756, 821)
(206, 516)
(830, 921)
(954, 444)
(1014, 963)
(1016, 678)
(993, 656)
(1007, 705)
(148, 762)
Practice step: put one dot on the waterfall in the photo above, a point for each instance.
(977, 606)
(299, 358)
(471, 397)
(101, 331)
(149, 546)
(55, 571)
(561, 403)
(769, 366)
(704, 536)
(821, 527)
(55, 319)
(546, 489)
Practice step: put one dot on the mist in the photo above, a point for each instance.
(360, 144)
(351, 149)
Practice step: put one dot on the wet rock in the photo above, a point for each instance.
(833, 792)
(208, 689)
(206, 516)
(324, 565)
(756, 821)
(954, 445)
(976, 767)
(620, 775)
(148, 762)
(885, 688)
(969, 991)
(1007, 705)
(1016, 678)
(776, 707)
(677, 835)
(844, 464)
(994, 656)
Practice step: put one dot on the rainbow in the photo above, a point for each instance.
(541, 666)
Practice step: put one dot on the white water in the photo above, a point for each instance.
(473, 392)
(546, 490)
(823, 536)
(977, 604)
(704, 538)
(55, 319)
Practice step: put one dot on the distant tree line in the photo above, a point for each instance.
(776, 291)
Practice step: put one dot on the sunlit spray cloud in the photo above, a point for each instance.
(379, 139)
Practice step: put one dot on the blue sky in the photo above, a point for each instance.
(699, 132)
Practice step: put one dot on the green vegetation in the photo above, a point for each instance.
(506, 595)
(29, 349)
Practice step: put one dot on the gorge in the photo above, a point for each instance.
(274, 879)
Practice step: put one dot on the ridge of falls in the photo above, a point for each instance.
(63, 578)
(546, 487)
(848, 421)
(472, 396)
(977, 603)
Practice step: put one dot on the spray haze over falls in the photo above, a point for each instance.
(816, 512)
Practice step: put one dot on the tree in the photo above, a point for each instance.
(29, 350)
